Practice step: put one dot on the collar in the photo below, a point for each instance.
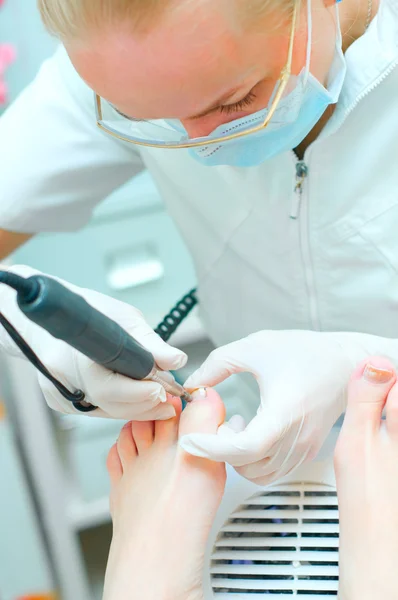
(372, 57)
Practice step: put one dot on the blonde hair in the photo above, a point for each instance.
(69, 19)
(72, 19)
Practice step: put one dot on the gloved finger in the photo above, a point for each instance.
(137, 397)
(106, 386)
(255, 470)
(274, 460)
(277, 458)
(266, 480)
(275, 464)
(115, 410)
(166, 357)
(140, 411)
(279, 474)
(221, 364)
(125, 412)
(287, 448)
(237, 449)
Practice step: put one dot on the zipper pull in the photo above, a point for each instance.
(301, 174)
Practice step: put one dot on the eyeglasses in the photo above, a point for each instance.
(159, 133)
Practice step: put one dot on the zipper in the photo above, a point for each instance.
(301, 174)
(300, 209)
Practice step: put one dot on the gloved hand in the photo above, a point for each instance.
(302, 377)
(115, 395)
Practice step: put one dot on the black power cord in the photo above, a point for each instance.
(177, 314)
(173, 319)
(36, 362)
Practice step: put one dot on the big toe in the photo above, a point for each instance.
(368, 392)
(204, 414)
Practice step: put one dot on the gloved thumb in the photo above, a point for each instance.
(166, 357)
(233, 443)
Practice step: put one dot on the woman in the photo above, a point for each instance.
(270, 130)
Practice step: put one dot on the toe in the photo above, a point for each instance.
(114, 465)
(392, 412)
(167, 431)
(367, 394)
(126, 446)
(204, 414)
(143, 434)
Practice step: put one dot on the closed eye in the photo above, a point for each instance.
(238, 106)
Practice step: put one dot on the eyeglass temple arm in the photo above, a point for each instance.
(287, 69)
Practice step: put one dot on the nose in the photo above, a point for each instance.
(198, 128)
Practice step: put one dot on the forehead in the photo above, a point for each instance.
(193, 54)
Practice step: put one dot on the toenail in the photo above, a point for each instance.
(377, 375)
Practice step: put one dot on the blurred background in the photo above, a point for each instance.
(54, 516)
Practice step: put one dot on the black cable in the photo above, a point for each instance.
(177, 314)
(75, 397)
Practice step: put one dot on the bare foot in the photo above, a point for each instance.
(163, 503)
(366, 464)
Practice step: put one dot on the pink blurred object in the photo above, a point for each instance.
(7, 56)
(3, 93)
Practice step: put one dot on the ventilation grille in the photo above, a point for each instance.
(281, 544)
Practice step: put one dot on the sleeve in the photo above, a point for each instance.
(55, 163)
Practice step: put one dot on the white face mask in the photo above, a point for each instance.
(295, 116)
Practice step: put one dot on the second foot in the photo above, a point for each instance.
(366, 464)
(163, 503)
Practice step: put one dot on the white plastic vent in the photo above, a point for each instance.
(281, 543)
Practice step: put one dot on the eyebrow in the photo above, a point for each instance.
(217, 104)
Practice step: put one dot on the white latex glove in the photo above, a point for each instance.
(302, 377)
(115, 395)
